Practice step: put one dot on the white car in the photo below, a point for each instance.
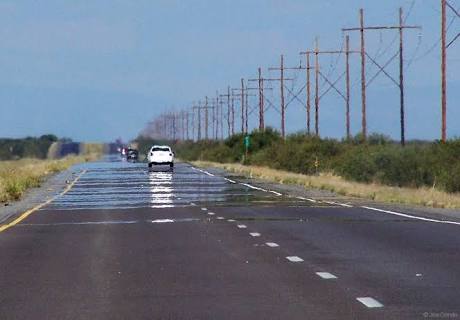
(160, 155)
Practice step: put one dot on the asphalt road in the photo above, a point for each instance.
(128, 243)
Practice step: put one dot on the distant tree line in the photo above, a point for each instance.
(29, 147)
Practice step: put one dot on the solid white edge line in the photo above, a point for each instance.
(230, 180)
(370, 302)
(326, 275)
(277, 193)
(272, 244)
(411, 216)
(294, 259)
(253, 187)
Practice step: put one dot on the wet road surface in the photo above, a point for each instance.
(126, 242)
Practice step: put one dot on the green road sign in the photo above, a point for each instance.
(247, 141)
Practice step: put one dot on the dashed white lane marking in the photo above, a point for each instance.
(254, 234)
(192, 203)
(294, 259)
(253, 187)
(204, 209)
(272, 244)
(230, 180)
(211, 213)
(220, 218)
(242, 226)
(162, 221)
(231, 220)
(326, 275)
(411, 216)
(277, 193)
(370, 302)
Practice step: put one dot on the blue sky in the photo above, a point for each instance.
(98, 70)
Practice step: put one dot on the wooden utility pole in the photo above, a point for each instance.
(308, 89)
(242, 105)
(206, 120)
(347, 81)
(443, 72)
(198, 109)
(400, 27)
(316, 87)
(332, 85)
(261, 101)
(281, 79)
(230, 111)
(260, 88)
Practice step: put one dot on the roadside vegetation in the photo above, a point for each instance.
(430, 169)
(19, 175)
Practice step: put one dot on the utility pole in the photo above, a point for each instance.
(444, 47)
(347, 81)
(316, 87)
(282, 102)
(400, 27)
(242, 105)
(206, 120)
(230, 111)
(443, 72)
(198, 109)
(260, 80)
(243, 96)
(261, 101)
(332, 85)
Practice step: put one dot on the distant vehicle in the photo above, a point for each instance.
(124, 151)
(132, 154)
(160, 155)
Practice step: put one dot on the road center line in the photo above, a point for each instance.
(370, 302)
(294, 259)
(411, 216)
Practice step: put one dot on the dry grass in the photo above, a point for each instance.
(18, 176)
(422, 196)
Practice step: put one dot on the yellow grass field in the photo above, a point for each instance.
(428, 197)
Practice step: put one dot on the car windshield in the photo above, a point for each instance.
(160, 149)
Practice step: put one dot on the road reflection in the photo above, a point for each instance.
(161, 189)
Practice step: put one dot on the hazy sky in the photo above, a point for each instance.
(100, 69)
